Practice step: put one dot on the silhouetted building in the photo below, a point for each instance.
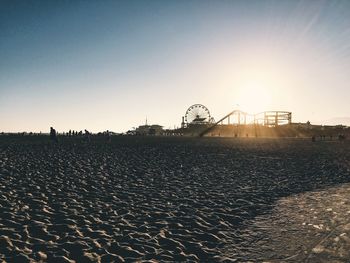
(149, 130)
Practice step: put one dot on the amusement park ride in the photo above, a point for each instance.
(198, 121)
(198, 118)
(196, 114)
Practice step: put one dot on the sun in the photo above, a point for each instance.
(254, 97)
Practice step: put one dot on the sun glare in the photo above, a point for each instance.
(254, 97)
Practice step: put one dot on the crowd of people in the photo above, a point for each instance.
(72, 133)
(324, 137)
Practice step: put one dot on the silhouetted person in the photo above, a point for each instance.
(341, 137)
(70, 133)
(87, 135)
(313, 138)
(109, 138)
(53, 134)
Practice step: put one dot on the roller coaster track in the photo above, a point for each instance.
(269, 118)
(219, 121)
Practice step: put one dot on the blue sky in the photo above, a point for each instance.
(108, 64)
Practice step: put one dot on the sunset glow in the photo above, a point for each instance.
(109, 65)
(254, 97)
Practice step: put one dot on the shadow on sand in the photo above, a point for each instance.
(152, 198)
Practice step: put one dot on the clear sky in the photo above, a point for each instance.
(108, 64)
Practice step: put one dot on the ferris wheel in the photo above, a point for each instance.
(197, 114)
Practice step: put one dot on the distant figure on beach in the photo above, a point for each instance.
(87, 135)
(341, 137)
(313, 138)
(109, 138)
(53, 135)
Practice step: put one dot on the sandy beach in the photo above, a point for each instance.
(173, 199)
(308, 227)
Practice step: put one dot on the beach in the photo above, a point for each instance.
(159, 199)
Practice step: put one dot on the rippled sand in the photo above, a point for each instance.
(160, 199)
(308, 227)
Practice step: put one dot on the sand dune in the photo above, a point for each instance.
(171, 199)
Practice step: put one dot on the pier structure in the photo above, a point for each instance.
(273, 118)
(240, 118)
